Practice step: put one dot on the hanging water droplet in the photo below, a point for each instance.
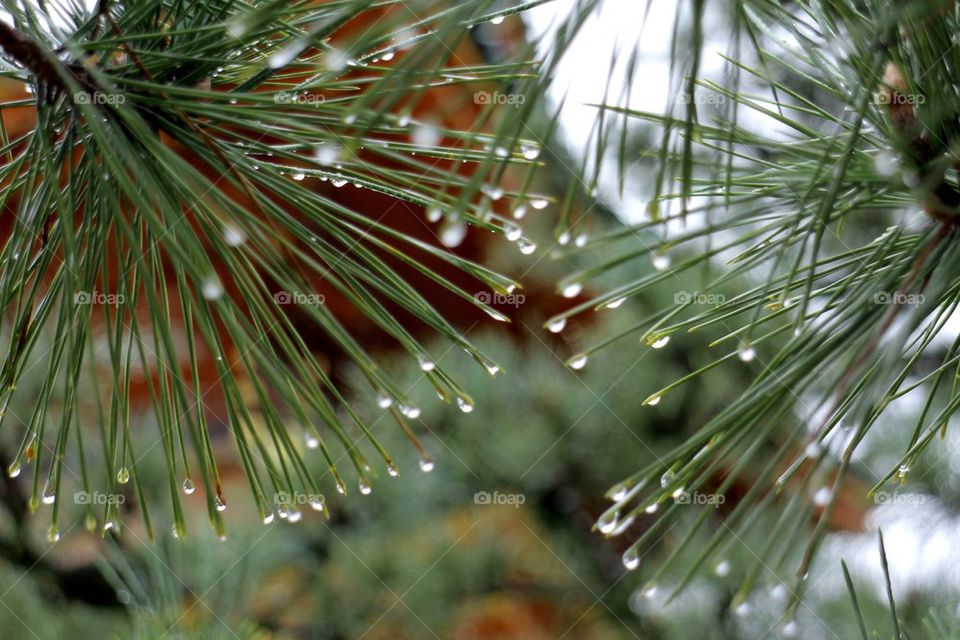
(233, 235)
(789, 629)
(526, 247)
(188, 486)
(295, 516)
(365, 488)
(492, 192)
(564, 238)
(311, 441)
(387, 56)
(384, 401)
(219, 504)
(53, 534)
(496, 20)
(746, 352)
(519, 212)
(618, 491)
(904, 470)
(530, 152)
(613, 304)
(722, 569)
(660, 342)
(426, 364)
(501, 152)
(631, 558)
(742, 609)
(426, 464)
(212, 289)
(49, 493)
(350, 118)
(661, 261)
(512, 232)
(539, 202)
(556, 326)
(652, 401)
(652, 508)
(607, 522)
(338, 182)
(453, 232)
(411, 412)
(667, 478)
(298, 176)
(317, 503)
(492, 369)
(123, 475)
(341, 487)
(268, 518)
(577, 362)
(14, 469)
(572, 290)
(465, 405)
(392, 470)
(581, 240)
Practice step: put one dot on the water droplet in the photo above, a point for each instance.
(494, 193)
(556, 326)
(530, 152)
(188, 486)
(519, 211)
(667, 478)
(350, 118)
(267, 519)
(501, 152)
(326, 154)
(904, 470)
(219, 504)
(607, 522)
(812, 450)
(742, 609)
(790, 629)
(581, 240)
(618, 491)
(453, 232)
(527, 247)
(341, 488)
(365, 488)
(53, 534)
(661, 261)
(572, 290)
(14, 469)
(387, 56)
(295, 516)
(465, 405)
(577, 362)
(392, 470)
(564, 238)
(411, 412)
(212, 289)
(822, 496)
(123, 475)
(311, 441)
(492, 369)
(426, 364)
(652, 401)
(613, 304)
(496, 20)
(298, 176)
(384, 401)
(426, 464)
(722, 569)
(512, 232)
(652, 508)
(539, 202)
(631, 558)
(285, 54)
(660, 342)
(317, 503)
(233, 236)
(746, 352)
(425, 135)
(49, 493)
